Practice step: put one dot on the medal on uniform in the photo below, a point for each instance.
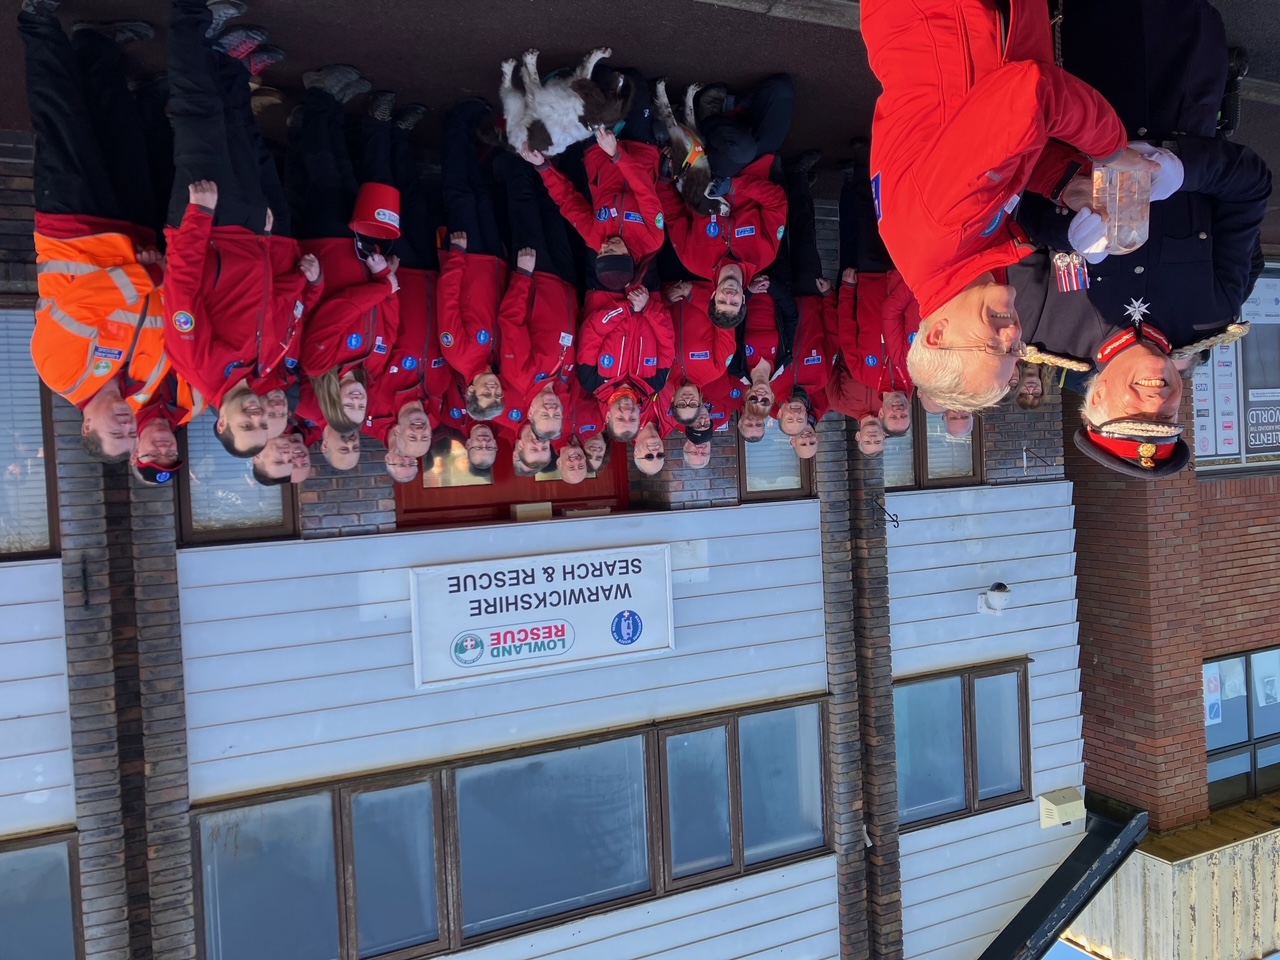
(1071, 272)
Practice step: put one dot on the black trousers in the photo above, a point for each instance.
(152, 99)
(860, 243)
(209, 133)
(419, 223)
(535, 219)
(235, 88)
(90, 151)
(468, 200)
(323, 182)
(733, 141)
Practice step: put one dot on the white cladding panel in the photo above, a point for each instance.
(784, 914)
(962, 882)
(299, 656)
(36, 783)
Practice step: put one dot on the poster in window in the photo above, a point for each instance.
(1261, 362)
(1266, 677)
(1212, 695)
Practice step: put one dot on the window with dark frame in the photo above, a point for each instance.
(218, 499)
(28, 486)
(40, 898)
(770, 470)
(928, 456)
(427, 861)
(964, 743)
(1242, 726)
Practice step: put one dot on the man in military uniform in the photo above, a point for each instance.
(1163, 65)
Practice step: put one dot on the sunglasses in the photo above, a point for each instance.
(653, 456)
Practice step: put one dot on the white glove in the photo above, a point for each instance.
(1088, 235)
(1169, 180)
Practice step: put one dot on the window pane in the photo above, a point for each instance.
(781, 759)
(269, 883)
(35, 904)
(999, 735)
(223, 493)
(1226, 714)
(899, 462)
(24, 504)
(545, 834)
(930, 734)
(1266, 693)
(771, 463)
(1228, 778)
(948, 456)
(450, 468)
(698, 801)
(395, 859)
(1269, 768)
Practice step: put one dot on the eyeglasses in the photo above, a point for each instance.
(993, 347)
(653, 456)
(686, 405)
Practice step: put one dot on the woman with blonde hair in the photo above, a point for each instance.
(1033, 384)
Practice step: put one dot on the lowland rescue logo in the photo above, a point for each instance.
(522, 642)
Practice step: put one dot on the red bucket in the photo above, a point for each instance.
(377, 212)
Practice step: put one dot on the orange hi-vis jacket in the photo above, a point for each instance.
(100, 313)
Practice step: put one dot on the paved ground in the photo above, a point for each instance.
(438, 50)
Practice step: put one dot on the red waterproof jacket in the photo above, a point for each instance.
(471, 287)
(583, 417)
(293, 300)
(219, 296)
(966, 122)
(810, 365)
(760, 333)
(703, 350)
(849, 395)
(624, 198)
(404, 379)
(878, 322)
(355, 325)
(723, 398)
(750, 234)
(616, 344)
(537, 323)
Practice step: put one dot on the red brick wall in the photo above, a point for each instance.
(1240, 563)
(1139, 563)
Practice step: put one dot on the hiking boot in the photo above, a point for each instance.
(120, 32)
(42, 8)
(264, 98)
(802, 165)
(381, 105)
(223, 11)
(710, 101)
(330, 79)
(241, 41)
(353, 89)
(410, 115)
(263, 57)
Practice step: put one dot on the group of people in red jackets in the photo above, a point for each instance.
(552, 309)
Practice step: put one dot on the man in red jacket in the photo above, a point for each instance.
(625, 353)
(623, 222)
(218, 283)
(973, 112)
(878, 321)
(703, 351)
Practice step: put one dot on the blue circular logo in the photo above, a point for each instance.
(602, 214)
(163, 477)
(627, 627)
(713, 229)
(515, 415)
(751, 351)
(183, 321)
(872, 360)
(735, 393)
(409, 363)
(658, 221)
(467, 649)
(911, 338)
(482, 336)
(354, 341)
(606, 360)
(446, 339)
(455, 412)
(540, 377)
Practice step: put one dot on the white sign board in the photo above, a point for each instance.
(496, 616)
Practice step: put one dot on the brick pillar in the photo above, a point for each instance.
(92, 682)
(875, 685)
(165, 814)
(1138, 585)
(336, 503)
(844, 725)
(1024, 445)
(17, 246)
(679, 487)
